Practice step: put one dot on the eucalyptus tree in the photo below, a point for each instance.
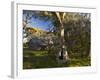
(60, 22)
(57, 19)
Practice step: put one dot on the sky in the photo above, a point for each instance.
(41, 24)
(37, 23)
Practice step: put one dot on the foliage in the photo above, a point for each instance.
(76, 38)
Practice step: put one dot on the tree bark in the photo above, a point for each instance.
(61, 20)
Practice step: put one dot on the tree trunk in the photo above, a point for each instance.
(63, 54)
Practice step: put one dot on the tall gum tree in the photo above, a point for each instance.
(58, 19)
(61, 18)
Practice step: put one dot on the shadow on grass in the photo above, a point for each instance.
(41, 62)
(41, 59)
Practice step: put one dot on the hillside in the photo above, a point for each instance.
(36, 32)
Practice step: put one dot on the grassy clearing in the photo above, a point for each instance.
(41, 59)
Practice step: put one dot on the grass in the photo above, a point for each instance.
(41, 59)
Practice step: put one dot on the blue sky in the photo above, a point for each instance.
(37, 23)
(41, 24)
